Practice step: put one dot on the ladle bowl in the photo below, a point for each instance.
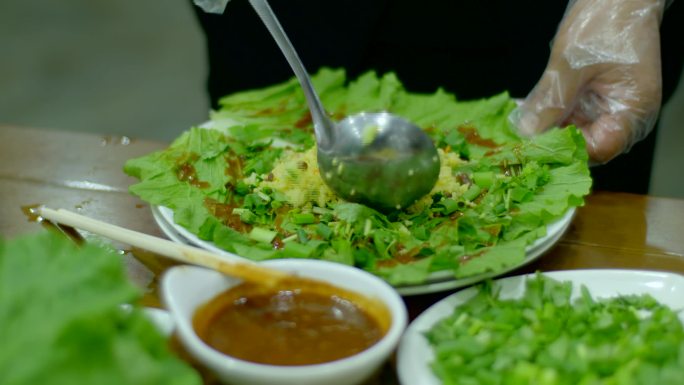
(378, 159)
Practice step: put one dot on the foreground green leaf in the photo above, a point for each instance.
(61, 320)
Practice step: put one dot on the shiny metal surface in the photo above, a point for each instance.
(377, 159)
(380, 160)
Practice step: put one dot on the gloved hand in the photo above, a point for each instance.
(212, 6)
(603, 75)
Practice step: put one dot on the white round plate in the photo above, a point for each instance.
(415, 354)
(167, 228)
(436, 282)
(164, 217)
(161, 319)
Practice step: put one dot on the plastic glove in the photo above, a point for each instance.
(603, 75)
(212, 6)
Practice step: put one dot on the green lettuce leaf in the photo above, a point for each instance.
(517, 186)
(61, 320)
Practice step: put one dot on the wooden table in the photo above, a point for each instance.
(82, 172)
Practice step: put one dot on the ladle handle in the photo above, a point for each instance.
(322, 125)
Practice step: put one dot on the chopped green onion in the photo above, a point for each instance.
(448, 206)
(483, 179)
(472, 193)
(321, 210)
(290, 238)
(303, 218)
(242, 188)
(367, 227)
(302, 237)
(546, 337)
(324, 231)
(245, 215)
(263, 196)
(420, 233)
(262, 235)
(298, 250)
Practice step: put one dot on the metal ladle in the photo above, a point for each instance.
(377, 159)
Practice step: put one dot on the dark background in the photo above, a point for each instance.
(139, 68)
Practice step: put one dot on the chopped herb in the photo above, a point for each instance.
(546, 338)
(498, 192)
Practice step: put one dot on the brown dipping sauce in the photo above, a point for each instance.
(299, 322)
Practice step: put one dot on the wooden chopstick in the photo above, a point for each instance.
(226, 264)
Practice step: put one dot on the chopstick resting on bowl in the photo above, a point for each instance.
(226, 264)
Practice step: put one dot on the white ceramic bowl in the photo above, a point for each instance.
(415, 353)
(185, 288)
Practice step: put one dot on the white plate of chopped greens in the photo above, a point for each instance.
(500, 200)
(436, 282)
(556, 334)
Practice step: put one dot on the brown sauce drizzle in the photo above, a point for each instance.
(469, 257)
(68, 231)
(472, 137)
(224, 212)
(431, 129)
(280, 215)
(492, 152)
(186, 173)
(493, 230)
(270, 111)
(235, 167)
(278, 243)
(455, 215)
(511, 170)
(399, 257)
(464, 179)
(305, 121)
(338, 115)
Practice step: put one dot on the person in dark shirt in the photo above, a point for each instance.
(477, 49)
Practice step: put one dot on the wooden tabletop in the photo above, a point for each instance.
(83, 172)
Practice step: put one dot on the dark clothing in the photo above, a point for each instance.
(473, 49)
